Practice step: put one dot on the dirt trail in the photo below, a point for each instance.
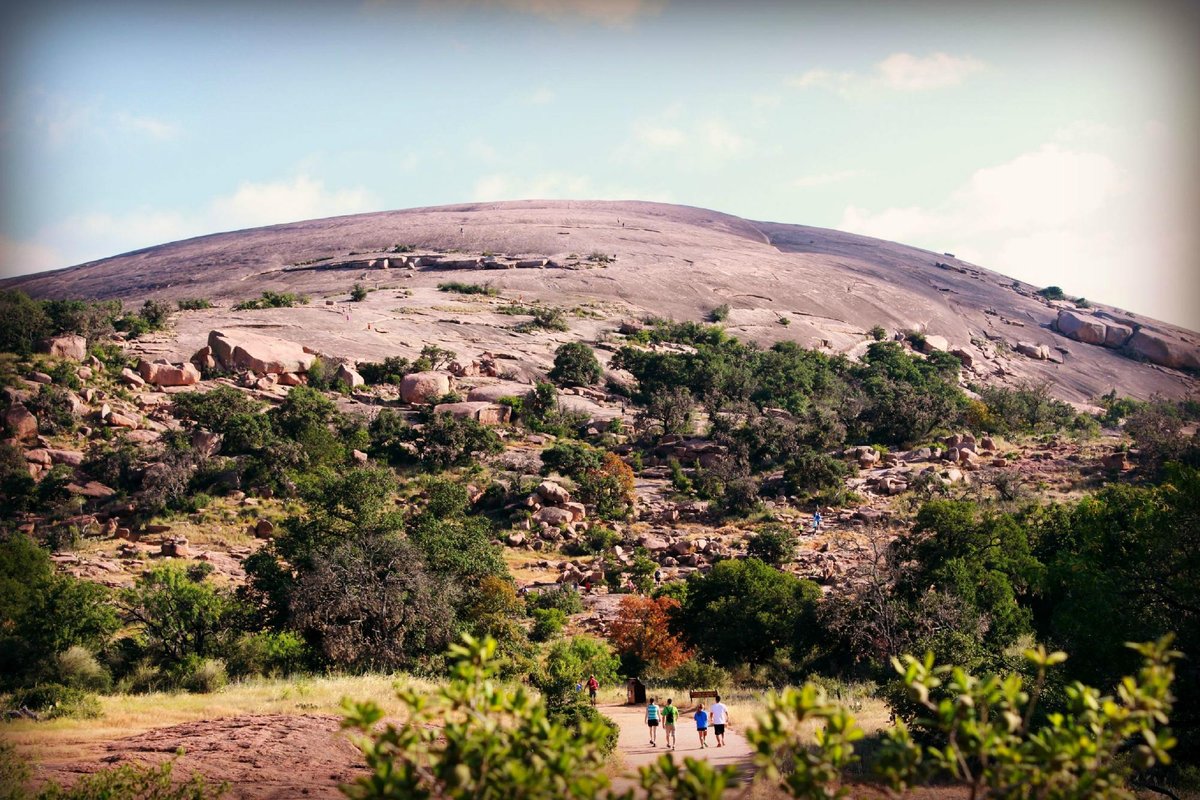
(635, 750)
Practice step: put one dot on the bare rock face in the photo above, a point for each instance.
(21, 422)
(421, 387)
(164, 374)
(1081, 327)
(72, 347)
(238, 349)
(483, 412)
(348, 377)
(1159, 349)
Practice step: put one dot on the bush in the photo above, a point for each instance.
(547, 319)
(719, 314)
(272, 300)
(571, 459)
(810, 471)
(358, 293)
(575, 364)
(547, 623)
(670, 409)
(77, 668)
(54, 410)
(563, 598)
(55, 701)
(23, 322)
(391, 371)
(468, 288)
(1052, 293)
(447, 441)
(130, 781)
(698, 674)
(194, 304)
(773, 544)
(204, 676)
(609, 488)
(878, 333)
(180, 618)
(268, 653)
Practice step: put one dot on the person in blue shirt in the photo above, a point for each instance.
(701, 717)
(652, 722)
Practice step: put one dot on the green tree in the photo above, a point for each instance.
(178, 616)
(746, 612)
(575, 364)
(772, 544)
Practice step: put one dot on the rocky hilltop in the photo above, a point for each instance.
(607, 262)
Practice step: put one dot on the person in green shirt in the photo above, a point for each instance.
(669, 714)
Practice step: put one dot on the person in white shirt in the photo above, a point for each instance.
(719, 716)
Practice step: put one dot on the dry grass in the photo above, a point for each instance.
(128, 715)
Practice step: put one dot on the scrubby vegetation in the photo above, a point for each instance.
(270, 299)
(458, 287)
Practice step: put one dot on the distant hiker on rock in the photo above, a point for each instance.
(652, 722)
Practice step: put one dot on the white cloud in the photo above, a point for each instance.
(693, 142)
(658, 137)
(541, 96)
(826, 178)
(148, 126)
(900, 72)
(908, 73)
(87, 237)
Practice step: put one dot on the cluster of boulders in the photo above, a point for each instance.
(689, 451)
(552, 513)
(1153, 346)
(672, 550)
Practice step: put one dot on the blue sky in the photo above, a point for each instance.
(1043, 140)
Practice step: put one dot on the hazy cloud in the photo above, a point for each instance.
(149, 126)
(901, 72)
(556, 185)
(86, 237)
(826, 178)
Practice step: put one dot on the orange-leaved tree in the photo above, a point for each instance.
(641, 633)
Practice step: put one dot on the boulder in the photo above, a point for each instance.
(987, 443)
(84, 373)
(1164, 351)
(965, 357)
(21, 423)
(206, 443)
(39, 456)
(72, 458)
(264, 529)
(1080, 327)
(239, 349)
(163, 374)
(554, 516)
(494, 391)
(483, 412)
(1040, 352)
(1116, 461)
(360, 457)
(935, 343)
(348, 377)
(653, 543)
(131, 378)
(515, 539)
(578, 511)
(92, 489)
(1116, 334)
(41, 377)
(292, 379)
(121, 421)
(72, 347)
(552, 494)
(422, 387)
(203, 359)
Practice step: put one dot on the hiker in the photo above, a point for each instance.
(652, 722)
(720, 716)
(701, 717)
(816, 520)
(593, 685)
(669, 714)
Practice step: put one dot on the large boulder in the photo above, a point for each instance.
(554, 516)
(161, 373)
(935, 343)
(72, 347)
(1116, 334)
(553, 494)
(1036, 351)
(348, 377)
(1159, 349)
(483, 412)
(422, 387)
(1081, 327)
(21, 423)
(238, 349)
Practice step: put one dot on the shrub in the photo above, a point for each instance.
(468, 288)
(391, 370)
(77, 668)
(130, 781)
(571, 459)
(547, 319)
(878, 333)
(54, 410)
(447, 441)
(773, 544)
(670, 410)
(270, 299)
(1052, 293)
(54, 701)
(810, 471)
(609, 488)
(268, 653)
(506, 744)
(180, 618)
(696, 673)
(547, 623)
(598, 539)
(564, 598)
(155, 313)
(719, 314)
(575, 364)
(204, 675)
(194, 304)
(23, 322)
(358, 293)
